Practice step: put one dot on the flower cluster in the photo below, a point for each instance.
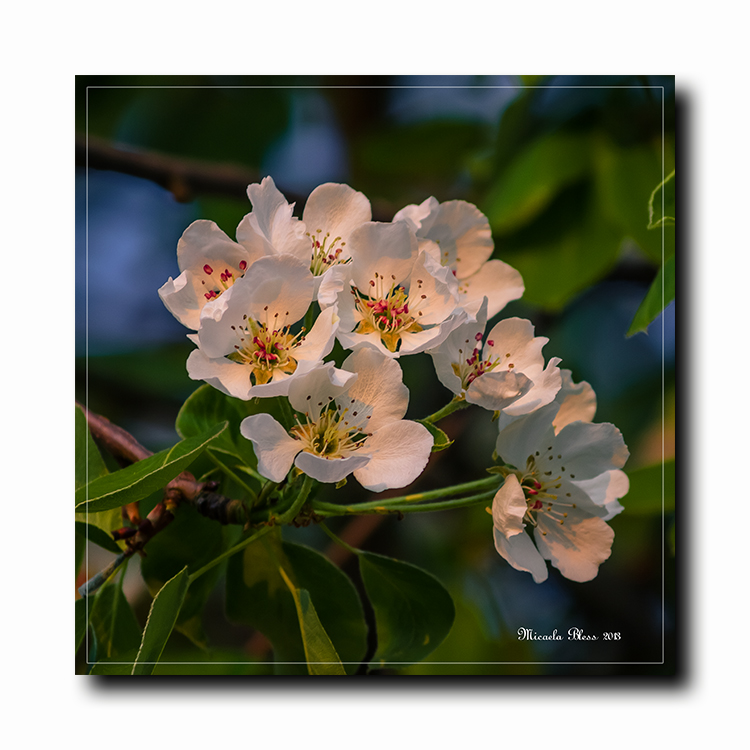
(265, 311)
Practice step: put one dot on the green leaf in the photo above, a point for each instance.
(256, 595)
(192, 540)
(141, 479)
(413, 611)
(162, 617)
(440, 440)
(113, 622)
(562, 257)
(96, 535)
(655, 301)
(82, 621)
(89, 462)
(664, 192)
(624, 180)
(320, 654)
(205, 408)
(534, 177)
(645, 496)
(90, 466)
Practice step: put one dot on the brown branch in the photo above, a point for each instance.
(184, 178)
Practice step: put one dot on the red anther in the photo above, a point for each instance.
(372, 283)
(453, 272)
(478, 337)
(490, 342)
(537, 485)
(537, 505)
(532, 492)
(223, 277)
(208, 269)
(243, 265)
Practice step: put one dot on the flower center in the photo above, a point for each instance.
(217, 282)
(388, 310)
(330, 436)
(470, 368)
(325, 252)
(538, 486)
(267, 348)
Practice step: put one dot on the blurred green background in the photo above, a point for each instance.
(562, 166)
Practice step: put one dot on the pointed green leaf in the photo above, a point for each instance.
(89, 462)
(162, 617)
(192, 540)
(320, 653)
(534, 177)
(413, 611)
(656, 299)
(144, 477)
(113, 623)
(257, 595)
(661, 205)
(440, 440)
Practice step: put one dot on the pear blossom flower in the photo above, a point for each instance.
(246, 345)
(391, 297)
(562, 485)
(331, 213)
(209, 264)
(505, 373)
(349, 420)
(458, 235)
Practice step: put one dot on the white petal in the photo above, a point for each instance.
(498, 390)
(577, 401)
(388, 250)
(509, 507)
(606, 489)
(329, 469)
(497, 281)
(543, 392)
(226, 376)
(204, 241)
(276, 290)
(418, 215)
(379, 395)
(180, 299)
(577, 547)
(312, 391)
(272, 444)
(525, 435)
(589, 450)
(515, 337)
(336, 209)
(464, 236)
(521, 553)
(321, 338)
(271, 220)
(398, 454)
(456, 348)
(433, 291)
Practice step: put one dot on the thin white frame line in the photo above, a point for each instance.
(519, 86)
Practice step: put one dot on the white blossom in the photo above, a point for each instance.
(391, 296)
(349, 420)
(247, 345)
(563, 485)
(507, 372)
(209, 264)
(458, 235)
